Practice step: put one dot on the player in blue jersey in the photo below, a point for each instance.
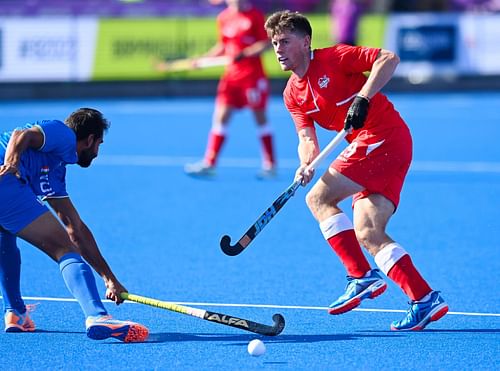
(33, 161)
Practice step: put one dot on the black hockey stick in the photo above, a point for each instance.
(265, 218)
(223, 319)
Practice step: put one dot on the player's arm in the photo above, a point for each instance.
(254, 50)
(189, 63)
(216, 51)
(308, 149)
(19, 142)
(83, 239)
(382, 70)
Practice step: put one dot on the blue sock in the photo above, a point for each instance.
(10, 273)
(81, 283)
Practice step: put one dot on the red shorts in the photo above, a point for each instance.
(252, 93)
(377, 161)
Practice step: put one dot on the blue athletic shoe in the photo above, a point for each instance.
(358, 289)
(420, 314)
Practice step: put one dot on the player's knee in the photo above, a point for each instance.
(312, 201)
(365, 236)
(319, 206)
(56, 248)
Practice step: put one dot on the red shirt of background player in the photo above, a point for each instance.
(238, 30)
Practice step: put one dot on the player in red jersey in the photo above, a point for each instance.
(328, 86)
(244, 83)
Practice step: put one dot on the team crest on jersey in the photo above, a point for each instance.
(323, 81)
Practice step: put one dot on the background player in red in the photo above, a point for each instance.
(244, 84)
(327, 86)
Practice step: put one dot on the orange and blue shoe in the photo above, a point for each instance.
(421, 313)
(17, 322)
(104, 327)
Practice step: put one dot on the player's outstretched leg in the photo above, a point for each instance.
(421, 313)
(104, 327)
(81, 283)
(358, 289)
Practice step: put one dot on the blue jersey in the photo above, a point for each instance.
(44, 169)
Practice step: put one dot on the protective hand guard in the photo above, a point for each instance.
(357, 113)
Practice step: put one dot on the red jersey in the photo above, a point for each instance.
(325, 93)
(238, 30)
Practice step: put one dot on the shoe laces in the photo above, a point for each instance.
(411, 312)
(349, 281)
(30, 308)
(103, 318)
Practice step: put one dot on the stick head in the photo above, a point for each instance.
(279, 324)
(225, 245)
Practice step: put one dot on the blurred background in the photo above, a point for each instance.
(82, 48)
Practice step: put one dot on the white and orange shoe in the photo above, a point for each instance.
(104, 327)
(17, 322)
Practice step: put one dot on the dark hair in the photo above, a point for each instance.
(287, 21)
(86, 121)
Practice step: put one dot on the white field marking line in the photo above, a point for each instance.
(40, 298)
(288, 163)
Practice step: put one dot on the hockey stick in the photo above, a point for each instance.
(265, 218)
(191, 64)
(223, 319)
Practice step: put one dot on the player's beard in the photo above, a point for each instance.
(85, 158)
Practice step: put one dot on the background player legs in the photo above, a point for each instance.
(266, 140)
(216, 138)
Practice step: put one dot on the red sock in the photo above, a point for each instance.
(346, 246)
(267, 149)
(407, 277)
(214, 145)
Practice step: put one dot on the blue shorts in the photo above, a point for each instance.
(19, 205)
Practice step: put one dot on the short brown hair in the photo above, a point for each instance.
(287, 21)
(86, 121)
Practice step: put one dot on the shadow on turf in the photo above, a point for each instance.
(245, 338)
(470, 331)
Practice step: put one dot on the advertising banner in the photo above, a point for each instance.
(128, 48)
(445, 45)
(47, 49)
(481, 44)
(427, 44)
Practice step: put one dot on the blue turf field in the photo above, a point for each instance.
(160, 231)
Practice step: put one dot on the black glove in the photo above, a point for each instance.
(239, 57)
(357, 113)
